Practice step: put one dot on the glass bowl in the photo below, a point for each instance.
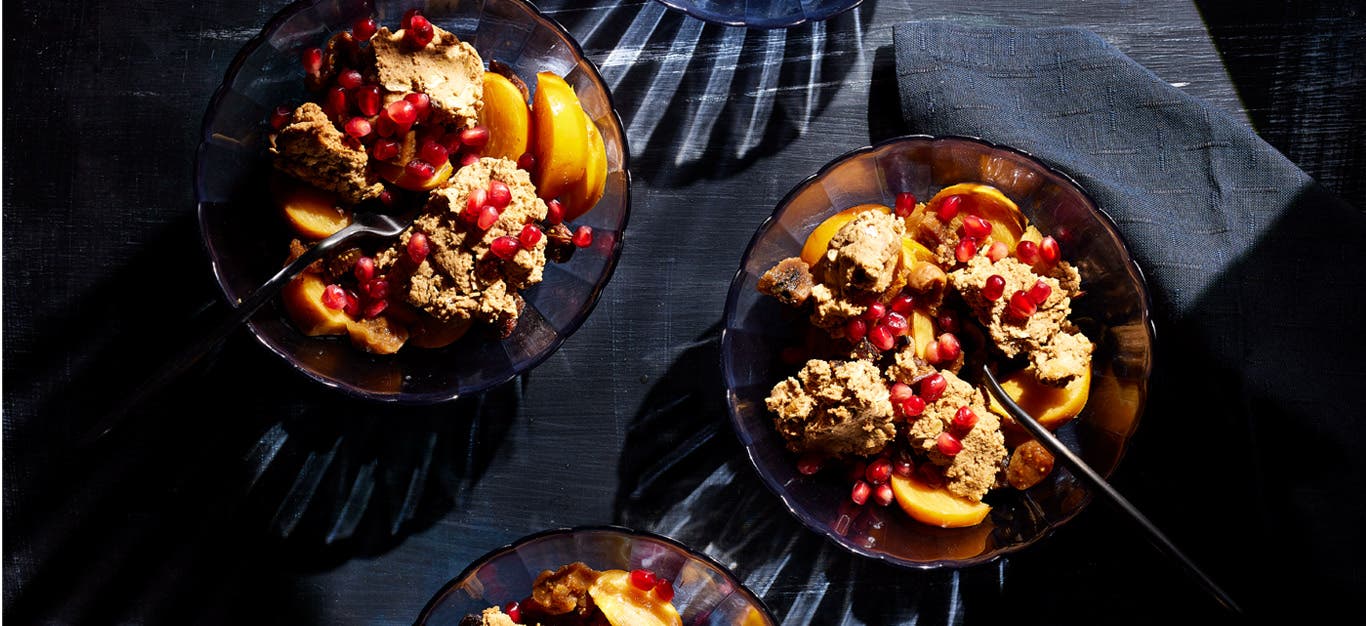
(1113, 313)
(247, 240)
(762, 13)
(705, 592)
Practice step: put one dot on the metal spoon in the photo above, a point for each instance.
(364, 224)
(1096, 483)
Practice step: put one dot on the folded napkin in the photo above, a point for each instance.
(1252, 441)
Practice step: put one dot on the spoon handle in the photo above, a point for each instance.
(1096, 483)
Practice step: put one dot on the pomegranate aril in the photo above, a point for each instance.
(994, 287)
(932, 355)
(385, 127)
(878, 471)
(949, 207)
(913, 406)
(422, 105)
(964, 419)
(997, 251)
(881, 337)
(375, 307)
(419, 32)
(859, 494)
(583, 237)
(896, 323)
(900, 392)
(949, 348)
(809, 463)
(856, 329)
(349, 79)
(883, 495)
(433, 152)
(965, 250)
(476, 137)
(903, 468)
(527, 161)
(279, 117)
(930, 474)
(377, 289)
(1027, 252)
(514, 611)
(367, 100)
(418, 247)
(384, 149)
(364, 269)
(505, 247)
(468, 159)
(643, 579)
(487, 218)
(932, 387)
(554, 212)
(313, 61)
(1040, 291)
(529, 237)
(947, 444)
(386, 198)
(903, 304)
(1021, 306)
(419, 169)
(500, 195)
(477, 200)
(402, 113)
(364, 28)
(875, 312)
(407, 20)
(352, 307)
(664, 590)
(1049, 251)
(358, 127)
(905, 203)
(948, 322)
(335, 103)
(334, 297)
(976, 227)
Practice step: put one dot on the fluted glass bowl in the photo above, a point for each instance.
(704, 591)
(762, 13)
(1113, 313)
(247, 239)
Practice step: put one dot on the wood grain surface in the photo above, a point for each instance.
(248, 494)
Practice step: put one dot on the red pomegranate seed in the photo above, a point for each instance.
(335, 105)
(949, 207)
(419, 169)
(903, 304)
(948, 322)
(527, 162)
(878, 471)
(358, 127)
(913, 406)
(1027, 252)
(883, 495)
(419, 32)
(433, 152)
(810, 463)
(896, 323)
(994, 287)
(664, 590)
(583, 237)
(1040, 291)
(476, 137)
(554, 212)
(932, 355)
(279, 117)
(875, 312)
(881, 337)
(422, 105)
(367, 100)
(529, 237)
(903, 467)
(859, 494)
(349, 79)
(949, 348)
(643, 579)
(976, 227)
(997, 251)
(313, 61)
(1021, 306)
(514, 611)
(947, 444)
(406, 21)
(352, 304)
(402, 112)
(932, 387)
(905, 203)
(469, 158)
(965, 250)
(476, 201)
(364, 269)
(334, 297)
(930, 474)
(856, 330)
(377, 289)
(505, 247)
(500, 195)
(900, 392)
(384, 127)
(1049, 251)
(384, 149)
(418, 247)
(375, 307)
(386, 198)
(487, 218)
(363, 28)
(964, 419)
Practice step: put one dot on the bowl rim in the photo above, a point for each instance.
(590, 304)
(726, 367)
(690, 9)
(611, 529)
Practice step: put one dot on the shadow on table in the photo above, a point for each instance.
(703, 101)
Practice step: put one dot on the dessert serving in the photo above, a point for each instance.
(578, 595)
(410, 122)
(901, 305)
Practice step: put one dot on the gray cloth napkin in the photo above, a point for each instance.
(1252, 443)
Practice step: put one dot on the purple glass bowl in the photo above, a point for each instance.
(247, 239)
(1113, 313)
(705, 592)
(762, 13)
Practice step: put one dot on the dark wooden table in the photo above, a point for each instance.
(247, 494)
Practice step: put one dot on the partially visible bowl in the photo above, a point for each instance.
(1114, 314)
(247, 241)
(762, 13)
(704, 591)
